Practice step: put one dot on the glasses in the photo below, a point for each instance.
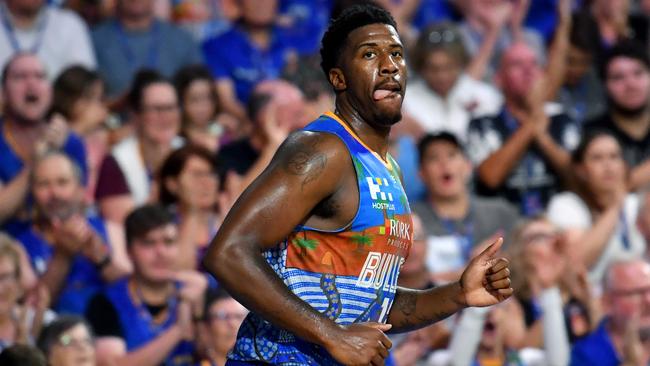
(67, 341)
(442, 36)
(225, 316)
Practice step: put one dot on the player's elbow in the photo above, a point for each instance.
(221, 256)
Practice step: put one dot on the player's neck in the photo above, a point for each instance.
(455, 207)
(376, 138)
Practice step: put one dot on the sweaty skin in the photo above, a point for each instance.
(311, 181)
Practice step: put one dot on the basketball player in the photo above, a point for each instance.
(314, 246)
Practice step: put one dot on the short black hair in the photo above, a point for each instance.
(578, 155)
(144, 219)
(141, 81)
(431, 138)
(350, 19)
(50, 334)
(628, 48)
(22, 355)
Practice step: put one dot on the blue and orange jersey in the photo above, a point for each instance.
(350, 274)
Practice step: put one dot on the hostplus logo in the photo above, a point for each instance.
(382, 200)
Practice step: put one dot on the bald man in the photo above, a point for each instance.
(521, 152)
(623, 336)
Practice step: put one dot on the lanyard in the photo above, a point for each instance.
(11, 33)
(465, 235)
(152, 55)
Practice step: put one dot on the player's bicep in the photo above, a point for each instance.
(305, 170)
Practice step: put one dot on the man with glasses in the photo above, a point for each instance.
(623, 337)
(125, 176)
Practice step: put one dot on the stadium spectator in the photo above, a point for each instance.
(489, 28)
(199, 109)
(189, 186)
(600, 216)
(522, 153)
(455, 220)
(147, 318)
(582, 95)
(32, 26)
(26, 133)
(19, 322)
(623, 336)
(254, 49)
(442, 96)
(222, 317)
(79, 98)
(68, 341)
(626, 74)
(73, 252)
(275, 109)
(126, 174)
(134, 39)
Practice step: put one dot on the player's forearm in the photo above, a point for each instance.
(413, 309)
(247, 276)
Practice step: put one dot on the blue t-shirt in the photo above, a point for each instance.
(121, 52)
(233, 55)
(83, 281)
(595, 349)
(11, 165)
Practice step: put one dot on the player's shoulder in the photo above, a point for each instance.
(308, 143)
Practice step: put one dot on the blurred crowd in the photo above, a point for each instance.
(128, 129)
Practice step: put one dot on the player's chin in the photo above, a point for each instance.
(388, 116)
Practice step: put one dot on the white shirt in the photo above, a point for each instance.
(59, 38)
(568, 211)
(467, 99)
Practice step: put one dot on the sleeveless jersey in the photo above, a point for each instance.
(350, 274)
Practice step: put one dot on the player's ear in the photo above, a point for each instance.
(337, 79)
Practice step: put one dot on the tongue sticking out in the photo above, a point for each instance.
(381, 94)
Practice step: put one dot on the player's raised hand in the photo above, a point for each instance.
(486, 280)
(360, 344)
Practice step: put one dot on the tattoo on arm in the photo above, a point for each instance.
(407, 316)
(304, 159)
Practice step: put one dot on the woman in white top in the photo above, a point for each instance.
(442, 96)
(599, 216)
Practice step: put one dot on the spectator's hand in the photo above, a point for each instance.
(274, 130)
(633, 352)
(518, 15)
(71, 235)
(56, 132)
(564, 10)
(486, 280)
(193, 285)
(38, 299)
(184, 320)
(360, 344)
(499, 16)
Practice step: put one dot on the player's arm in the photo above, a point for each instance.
(306, 169)
(484, 282)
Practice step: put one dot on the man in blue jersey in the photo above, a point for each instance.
(71, 250)
(332, 224)
(146, 319)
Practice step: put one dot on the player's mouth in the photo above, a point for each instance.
(386, 90)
